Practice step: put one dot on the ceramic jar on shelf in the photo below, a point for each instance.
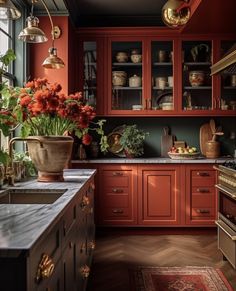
(196, 78)
(119, 78)
(122, 57)
(135, 81)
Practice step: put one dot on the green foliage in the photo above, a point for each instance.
(4, 157)
(132, 140)
(22, 157)
(6, 59)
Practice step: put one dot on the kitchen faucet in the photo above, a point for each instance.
(10, 168)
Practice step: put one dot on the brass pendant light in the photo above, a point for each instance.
(53, 61)
(32, 33)
(8, 10)
(176, 13)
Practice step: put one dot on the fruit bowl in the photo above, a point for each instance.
(184, 156)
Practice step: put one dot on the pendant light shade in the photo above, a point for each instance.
(176, 13)
(53, 61)
(8, 10)
(32, 33)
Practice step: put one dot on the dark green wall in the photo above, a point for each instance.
(184, 128)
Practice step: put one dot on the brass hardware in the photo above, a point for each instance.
(203, 190)
(92, 245)
(117, 174)
(56, 32)
(82, 248)
(92, 185)
(90, 210)
(45, 268)
(117, 190)
(84, 271)
(203, 211)
(203, 174)
(70, 244)
(10, 169)
(85, 202)
(118, 211)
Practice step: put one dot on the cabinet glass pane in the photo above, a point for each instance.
(228, 82)
(197, 82)
(162, 75)
(126, 75)
(90, 72)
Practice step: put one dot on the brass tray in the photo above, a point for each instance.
(113, 140)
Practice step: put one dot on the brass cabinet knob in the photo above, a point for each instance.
(117, 190)
(117, 173)
(85, 202)
(45, 268)
(91, 245)
(117, 211)
(84, 271)
(203, 174)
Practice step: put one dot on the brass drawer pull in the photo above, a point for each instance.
(118, 211)
(117, 190)
(117, 174)
(84, 203)
(85, 271)
(203, 174)
(203, 190)
(203, 211)
(45, 268)
(83, 248)
(91, 245)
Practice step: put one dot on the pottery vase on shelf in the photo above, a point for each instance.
(50, 155)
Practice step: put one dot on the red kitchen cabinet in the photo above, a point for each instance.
(117, 195)
(200, 195)
(153, 86)
(159, 195)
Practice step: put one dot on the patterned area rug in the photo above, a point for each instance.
(178, 279)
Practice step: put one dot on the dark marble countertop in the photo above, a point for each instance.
(154, 160)
(22, 224)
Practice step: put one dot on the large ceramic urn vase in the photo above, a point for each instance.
(50, 155)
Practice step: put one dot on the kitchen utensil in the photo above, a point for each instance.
(212, 149)
(205, 135)
(167, 141)
(212, 126)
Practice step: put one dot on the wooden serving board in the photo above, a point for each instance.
(205, 135)
(167, 141)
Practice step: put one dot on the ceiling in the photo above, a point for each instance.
(213, 15)
(106, 12)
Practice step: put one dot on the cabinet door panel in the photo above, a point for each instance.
(158, 196)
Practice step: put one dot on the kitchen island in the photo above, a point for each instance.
(49, 244)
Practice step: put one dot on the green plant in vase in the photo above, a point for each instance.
(132, 141)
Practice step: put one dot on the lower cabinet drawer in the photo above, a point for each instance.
(116, 212)
(203, 212)
(203, 200)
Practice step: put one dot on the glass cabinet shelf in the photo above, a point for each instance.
(127, 64)
(162, 64)
(198, 88)
(126, 88)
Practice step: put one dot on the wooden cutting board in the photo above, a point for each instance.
(205, 135)
(167, 141)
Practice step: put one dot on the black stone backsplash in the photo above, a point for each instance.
(184, 128)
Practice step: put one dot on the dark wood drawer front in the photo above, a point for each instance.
(69, 220)
(200, 200)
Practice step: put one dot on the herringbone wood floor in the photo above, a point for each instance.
(115, 254)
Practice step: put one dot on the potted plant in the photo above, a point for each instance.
(48, 118)
(132, 141)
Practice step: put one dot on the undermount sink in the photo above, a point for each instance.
(30, 196)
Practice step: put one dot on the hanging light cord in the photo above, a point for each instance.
(50, 18)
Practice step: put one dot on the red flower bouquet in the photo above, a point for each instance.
(43, 110)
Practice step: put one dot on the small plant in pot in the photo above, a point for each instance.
(132, 141)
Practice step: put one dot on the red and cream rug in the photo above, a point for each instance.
(178, 279)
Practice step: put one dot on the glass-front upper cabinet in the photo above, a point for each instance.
(90, 72)
(196, 79)
(227, 100)
(126, 76)
(162, 75)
